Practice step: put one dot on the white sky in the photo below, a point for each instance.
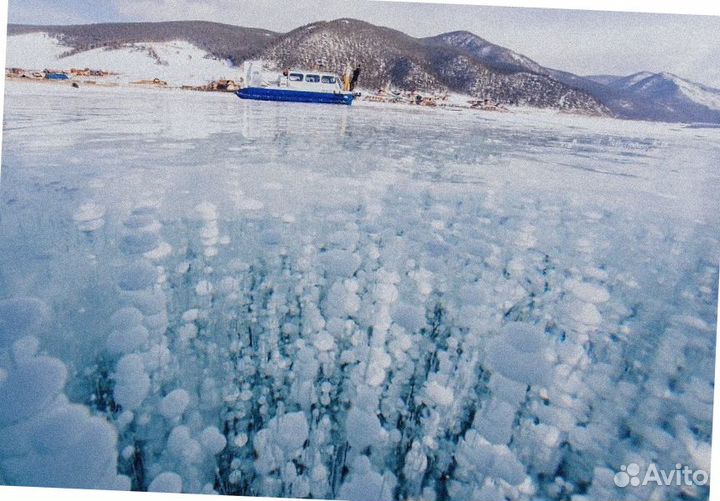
(583, 42)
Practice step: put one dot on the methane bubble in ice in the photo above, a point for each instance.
(89, 217)
(517, 353)
(166, 482)
(137, 276)
(22, 316)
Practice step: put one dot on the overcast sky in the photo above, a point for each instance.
(583, 42)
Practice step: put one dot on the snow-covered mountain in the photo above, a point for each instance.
(223, 41)
(668, 93)
(176, 62)
(625, 82)
(493, 55)
(391, 57)
(670, 88)
(643, 95)
(602, 79)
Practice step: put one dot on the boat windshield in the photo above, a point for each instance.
(312, 78)
(295, 77)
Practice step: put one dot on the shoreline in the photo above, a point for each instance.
(507, 112)
(366, 100)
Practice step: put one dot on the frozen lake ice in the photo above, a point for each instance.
(209, 295)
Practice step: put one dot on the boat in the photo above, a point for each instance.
(301, 87)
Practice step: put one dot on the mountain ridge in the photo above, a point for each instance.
(391, 57)
(622, 100)
(225, 41)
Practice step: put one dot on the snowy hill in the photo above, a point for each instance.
(619, 103)
(390, 57)
(626, 82)
(602, 79)
(662, 100)
(670, 88)
(222, 41)
(668, 94)
(385, 55)
(490, 54)
(176, 62)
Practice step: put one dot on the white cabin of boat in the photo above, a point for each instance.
(297, 80)
(309, 81)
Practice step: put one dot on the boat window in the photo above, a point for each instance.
(295, 77)
(326, 79)
(312, 78)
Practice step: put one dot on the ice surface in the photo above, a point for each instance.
(46, 441)
(360, 303)
(588, 292)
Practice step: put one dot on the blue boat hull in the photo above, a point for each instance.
(295, 96)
